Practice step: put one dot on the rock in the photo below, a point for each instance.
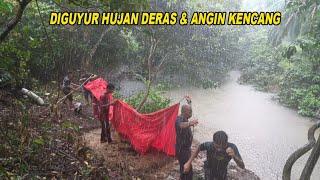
(170, 178)
(236, 173)
(176, 168)
(131, 168)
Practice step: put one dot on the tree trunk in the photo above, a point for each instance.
(153, 46)
(145, 97)
(95, 47)
(152, 71)
(14, 21)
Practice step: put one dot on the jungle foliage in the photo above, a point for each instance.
(35, 52)
(156, 101)
(286, 59)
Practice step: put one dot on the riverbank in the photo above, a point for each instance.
(120, 156)
(71, 148)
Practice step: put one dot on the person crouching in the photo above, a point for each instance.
(219, 153)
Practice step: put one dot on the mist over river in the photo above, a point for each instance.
(265, 132)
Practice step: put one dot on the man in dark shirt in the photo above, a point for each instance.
(104, 107)
(67, 87)
(184, 138)
(219, 154)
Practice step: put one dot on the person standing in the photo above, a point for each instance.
(104, 108)
(184, 138)
(68, 87)
(85, 78)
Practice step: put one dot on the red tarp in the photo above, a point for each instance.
(97, 87)
(145, 131)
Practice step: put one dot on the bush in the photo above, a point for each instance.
(292, 70)
(155, 101)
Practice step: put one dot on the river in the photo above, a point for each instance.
(265, 132)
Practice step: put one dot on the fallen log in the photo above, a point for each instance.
(33, 96)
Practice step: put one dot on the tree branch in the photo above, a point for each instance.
(153, 47)
(96, 45)
(14, 21)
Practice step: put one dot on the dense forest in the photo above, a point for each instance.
(35, 55)
(285, 59)
(201, 54)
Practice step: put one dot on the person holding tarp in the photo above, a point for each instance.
(105, 114)
(67, 87)
(154, 130)
(85, 79)
(184, 138)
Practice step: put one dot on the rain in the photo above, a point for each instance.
(142, 89)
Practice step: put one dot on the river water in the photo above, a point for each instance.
(265, 132)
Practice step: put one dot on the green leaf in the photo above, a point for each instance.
(5, 7)
(39, 141)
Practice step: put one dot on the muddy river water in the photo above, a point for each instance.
(265, 132)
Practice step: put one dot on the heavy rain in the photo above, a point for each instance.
(86, 92)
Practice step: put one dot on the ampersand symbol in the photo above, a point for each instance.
(184, 19)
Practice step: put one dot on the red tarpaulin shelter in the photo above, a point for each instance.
(97, 87)
(144, 131)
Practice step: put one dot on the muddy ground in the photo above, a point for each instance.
(70, 148)
(119, 155)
